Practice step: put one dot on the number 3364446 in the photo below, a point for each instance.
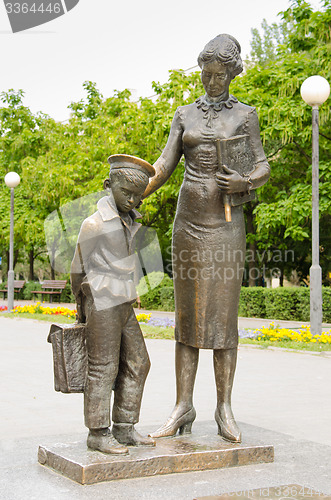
(24, 8)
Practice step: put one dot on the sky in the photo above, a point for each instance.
(118, 45)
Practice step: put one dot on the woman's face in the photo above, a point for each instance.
(215, 79)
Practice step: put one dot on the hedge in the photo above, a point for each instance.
(281, 303)
(252, 302)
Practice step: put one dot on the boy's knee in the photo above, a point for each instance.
(143, 367)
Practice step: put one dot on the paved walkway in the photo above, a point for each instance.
(280, 398)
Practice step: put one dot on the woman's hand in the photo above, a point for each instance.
(230, 181)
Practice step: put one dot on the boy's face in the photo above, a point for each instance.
(126, 194)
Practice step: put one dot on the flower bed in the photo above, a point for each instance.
(276, 334)
(271, 333)
(268, 334)
(38, 308)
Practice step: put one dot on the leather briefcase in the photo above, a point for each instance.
(69, 357)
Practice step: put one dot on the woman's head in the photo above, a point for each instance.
(220, 62)
(224, 49)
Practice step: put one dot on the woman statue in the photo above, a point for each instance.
(208, 250)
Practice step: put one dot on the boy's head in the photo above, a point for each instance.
(128, 179)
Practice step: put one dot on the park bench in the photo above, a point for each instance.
(51, 287)
(18, 285)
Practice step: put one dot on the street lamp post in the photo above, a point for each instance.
(314, 91)
(12, 180)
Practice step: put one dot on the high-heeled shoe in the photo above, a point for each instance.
(227, 426)
(172, 425)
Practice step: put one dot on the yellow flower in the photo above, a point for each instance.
(143, 318)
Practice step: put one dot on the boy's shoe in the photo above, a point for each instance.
(127, 434)
(103, 440)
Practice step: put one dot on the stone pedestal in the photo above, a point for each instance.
(194, 452)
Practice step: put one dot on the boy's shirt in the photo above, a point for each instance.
(104, 260)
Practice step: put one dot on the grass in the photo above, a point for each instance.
(158, 332)
(162, 332)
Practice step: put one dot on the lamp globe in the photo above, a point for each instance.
(12, 179)
(315, 90)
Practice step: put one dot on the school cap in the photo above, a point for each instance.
(128, 161)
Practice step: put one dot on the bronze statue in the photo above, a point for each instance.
(224, 164)
(102, 282)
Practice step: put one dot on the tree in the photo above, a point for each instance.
(282, 218)
(21, 138)
(265, 46)
(60, 162)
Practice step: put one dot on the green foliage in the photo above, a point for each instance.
(281, 303)
(28, 288)
(160, 296)
(67, 296)
(252, 302)
(60, 162)
(22, 141)
(264, 46)
(326, 296)
(157, 332)
(167, 298)
(282, 217)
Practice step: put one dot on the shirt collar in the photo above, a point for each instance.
(107, 208)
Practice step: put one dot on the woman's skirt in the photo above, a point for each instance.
(208, 265)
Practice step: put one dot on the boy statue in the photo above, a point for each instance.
(102, 281)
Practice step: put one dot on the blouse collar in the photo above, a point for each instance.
(211, 109)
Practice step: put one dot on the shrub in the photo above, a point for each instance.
(67, 296)
(282, 303)
(303, 305)
(252, 302)
(326, 295)
(167, 298)
(154, 298)
(28, 288)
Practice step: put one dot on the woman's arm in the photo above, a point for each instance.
(168, 161)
